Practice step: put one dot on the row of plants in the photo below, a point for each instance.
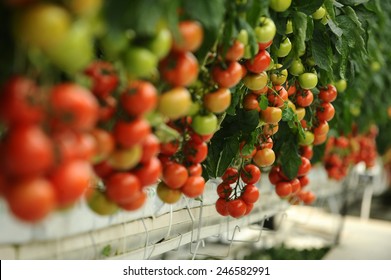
(103, 99)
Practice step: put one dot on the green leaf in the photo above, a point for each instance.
(252, 40)
(263, 102)
(235, 99)
(299, 23)
(343, 49)
(288, 114)
(329, 6)
(256, 10)
(353, 16)
(290, 158)
(321, 50)
(353, 2)
(335, 29)
(106, 251)
(308, 7)
(248, 120)
(228, 154)
(251, 141)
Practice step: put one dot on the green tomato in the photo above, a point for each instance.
(140, 62)
(160, 45)
(243, 37)
(280, 5)
(98, 202)
(310, 61)
(375, 66)
(204, 124)
(319, 13)
(308, 80)
(278, 78)
(125, 159)
(194, 108)
(296, 68)
(266, 31)
(341, 85)
(75, 51)
(113, 44)
(284, 48)
(289, 27)
(307, 139)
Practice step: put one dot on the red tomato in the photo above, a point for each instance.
(224, 190)
(296, 186)
(264, 46)
(107, 109)
(305, 166)
(104, 142)
(149, 172)
(122, 187)
(231, 175)
(274, 175)
(70, 180)
(221, 207)
(20, 101)
(28, 151)
(194, 186)
(195, 169)
(175, 175)
(325, 112)
(235, 52)
(250, 174)
(104, 78)
(179, 69)
(264, 157)
(321, 128)
(250, 194)
(151, 148)
(250, 102)
(277, 96)
(137, 202)
(249, 208)
(329, 94)
(191, 36)
(31, 200)
(307, 152)
(128, 134)
(139, 97)
(73, 107)
(259, 63)
(251, 155)
(195, 153)
(283, 189)
(169, 148)
(218, 101)
(304, 181)
(304, 98)
(236, 208)
(103, 169)
(229, 76)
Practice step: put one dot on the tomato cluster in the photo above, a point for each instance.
(238, 192)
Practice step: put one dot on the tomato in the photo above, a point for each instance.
(280, 5)
(264, 46)
(195, 153)
(250, 102)
(235, 52)
(291, 89)
(198, 139)
(139, 97)
(105, 144)
(31, 200)
(104, 78)
(236, 208)
(305, 167)
(319, 13)
(107, 109)
(137, 202)
(259, 63)
(255, 81)
(148, 172)
(204, 124)
(194, 186)
(98, 202)
(175, 103)
(103, 169)
(296, 68)
(306, 139)
(307, 152)
(128, 134)
(250, 155)
(321, 128)
(169, 148)
(73, 106)
(151, 148)
(250, 194)
(224, 190)
(300, 112)
(266, 30)
(278, 77)
(191, 35)
(20, 101)
(307, 197)
(28, 151)
(195, 169)
(277, 95)
(229, 76)
(329, 94)
(140, 62)
(221, 207)
(304, 98)
(231, 175)
(217, 101)
(161, 43)
(125, 159)
(264, 157)
(266, 143)
(121, 187)
(270, 129)
(289, 27)
(319, 139)
(42, 25)
(175, 175)
(325, 111)
(167, 194)
(274, 175)
(308, 80)
(271, 114)
(285, 48)
(341, 85)
(179, 69)
(250, 174)
(70, 180)
(342, 142)
(283, 189)
(296, 186)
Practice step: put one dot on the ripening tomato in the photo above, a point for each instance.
(125, 159)
(179, 69)
(105, 144)
(266, 143)
(139, 97)
(175, 103)
(231, 175)
(99, 203)
(319, 139)
(227, 76)
(167, 194)
(250, 194)
(236, 208)
(321, 128)
(128, 134)
(31, 200)
(148, 172)
(250, 174)
(259, 63)
(195, 153)
(73, 106)
(221, 207)
(270, 129)
(250, 102)
(121, 187)
(325, 111)
(271, 115)
(283, 189)
(235, 52)
(104, 78)
(277, 95)
(224, 190)
(304, 98)
(27, 151)
(194, 186)
(264, 157)
(70, 180)
(191, 35)
(306, 139)
(20, 101)
(278, 77)
(255, 82)
(175, 175)
(217, 101)
(249, 155)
